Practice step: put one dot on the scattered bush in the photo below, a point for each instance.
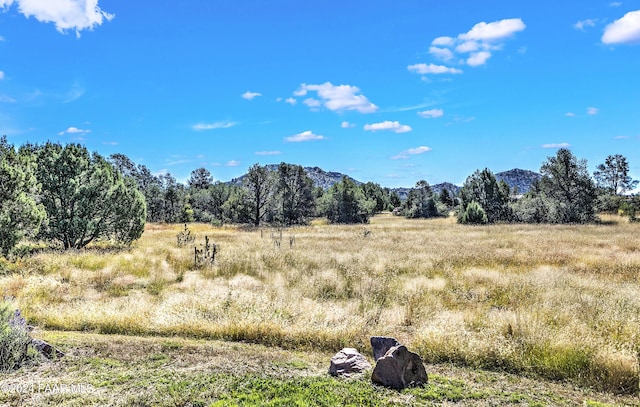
(15, 342)
(473, 214)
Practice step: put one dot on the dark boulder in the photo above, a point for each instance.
(399, 369)
(381, 344)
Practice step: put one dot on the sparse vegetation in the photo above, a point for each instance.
(553, 301)
(15, 342)
(128, 370)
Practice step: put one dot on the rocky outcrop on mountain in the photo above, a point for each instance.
(403, 193)
(325, 179)
(520, 180)
(321, 178)
(437, 188)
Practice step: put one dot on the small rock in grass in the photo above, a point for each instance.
(348, 361)
(46, 349)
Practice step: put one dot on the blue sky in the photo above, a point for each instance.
(386, 91)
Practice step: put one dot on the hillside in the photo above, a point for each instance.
(520, 179)
(320, 177)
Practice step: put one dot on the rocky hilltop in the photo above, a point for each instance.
(321, 178)
(521, 180)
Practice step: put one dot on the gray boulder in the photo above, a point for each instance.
(399, 369)
(348, 361)
(46, 349)
(381, 344)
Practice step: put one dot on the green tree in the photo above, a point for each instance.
(376, 193)
(345, 202)
(447, 198)
(483, 188)
(394, 199)
(201, 178)
(566, 181)
(124, 165)
(20, 216)
(86, 198)
(474, 214)
(295, 194)
(149, 185)
(259, 183)
(172, 198)
(613, 175)
(420, 202)
(613, 181)
(236, 208)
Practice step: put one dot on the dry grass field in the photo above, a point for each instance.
(551, 301)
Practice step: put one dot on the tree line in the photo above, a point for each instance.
(70, 197)
(566, 193)
(285, 195)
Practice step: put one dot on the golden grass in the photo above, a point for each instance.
(558, 301)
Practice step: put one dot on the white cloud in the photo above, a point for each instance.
(300, 92)
(347, 125)
(424, 69)
(74, 93)
(304, 136)
(479, 41)
(623, 31)
(615, 4)
(213, 126)
(232, 163)
(556, 145)
(290, 101)
(338, 97)
(494, 31)
(443, 41)
(467, 46)
(570, 114)
(312, 103)
(592, 111)
(478, 58)
(396, 127)
(431, 114)
(268, 152)
(581, 25)
(250, 95)
(1, 75)
(461, 119)
(7, 99)
(444, 54)
(110, 143)
(75, 15)
(73, 130)
(403, 155)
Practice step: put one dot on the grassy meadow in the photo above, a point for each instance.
(557, 302)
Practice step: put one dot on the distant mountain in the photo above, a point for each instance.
(437, 188)
(520, 179)
(403, 193)
(320, 177)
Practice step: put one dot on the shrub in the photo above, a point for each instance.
(15, 342)
(473, 214)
